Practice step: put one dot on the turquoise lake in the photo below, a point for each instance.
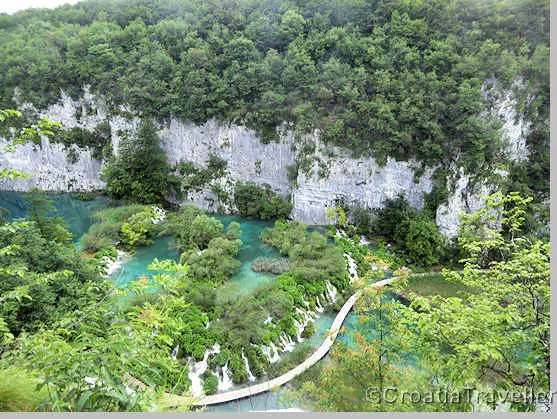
(78, 215)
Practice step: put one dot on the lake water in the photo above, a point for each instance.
(78, 215)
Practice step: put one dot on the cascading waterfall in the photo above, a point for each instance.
(198, 368)
(332, 292)
(287, 342)
(352, 267)
(270, 352)
(174, 353)
(318, 305)
(251, 377)
(225, 382)
(113, 266)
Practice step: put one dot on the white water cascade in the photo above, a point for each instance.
(225, 382)
(198, 368)
(251, 377)
(287, 342)
(271, 352)
(332, 292)
(352, 267)
(318, 305)
(174, 353)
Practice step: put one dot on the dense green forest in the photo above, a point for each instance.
(379, 77)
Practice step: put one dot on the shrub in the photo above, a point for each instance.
(252, 200)
(210, 384)
(309, 330)
(276, 266)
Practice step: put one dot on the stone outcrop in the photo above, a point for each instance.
(334, 175)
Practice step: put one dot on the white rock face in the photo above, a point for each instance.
(504, 107)
(464, 198)
(247, 158)
(353, 180)
(50, 168)
(356, 180)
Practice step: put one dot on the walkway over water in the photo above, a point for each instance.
(283, 379)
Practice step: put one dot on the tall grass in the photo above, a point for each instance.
(18, 391)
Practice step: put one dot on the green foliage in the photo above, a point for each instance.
(193, 179)
(131, 225)
(312, 259)
(412, 232)
(210, 384)
(192, 228)
(96, 140)
(252, 200)
(18, 392)
(40, 207)
(309, 330)
(139, 172)
(381, 78)
(379, 358)
(216, 263)
(138, 230)
(503, 326)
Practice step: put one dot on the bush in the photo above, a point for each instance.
(309, 330)
(413, 232)
(252, 200)
(138, 230)
(140, 172)
(130, 224)
(276, 266)
(192, 228)
(210, 384)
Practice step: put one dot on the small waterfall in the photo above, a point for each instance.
(198, 368)
(276, 356)
(271, 353)
(207, 325)
(331, 291)
(364, 241)
(174, 353)
(113, 266)
(352, 267)
(287, 342)
(268, 320)
(318, 305)
(225, 382)
(251, 377)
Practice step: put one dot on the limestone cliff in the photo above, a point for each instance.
(333, 175)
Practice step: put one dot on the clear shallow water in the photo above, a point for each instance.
(246, 280)
(135, 266)
(76, 213)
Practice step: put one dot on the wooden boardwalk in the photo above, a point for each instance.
(283, 379)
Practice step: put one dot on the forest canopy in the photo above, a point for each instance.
(379, 77)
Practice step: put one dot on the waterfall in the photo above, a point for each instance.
(251, 377)
(225, 382)
(300, 328)
(113, 266)
(198, 368)
(268, 320)
(287, 342)
(174, 353)
(331, 291)
(276, 356)
(352, 267)
(318, 305)
(271, 353)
